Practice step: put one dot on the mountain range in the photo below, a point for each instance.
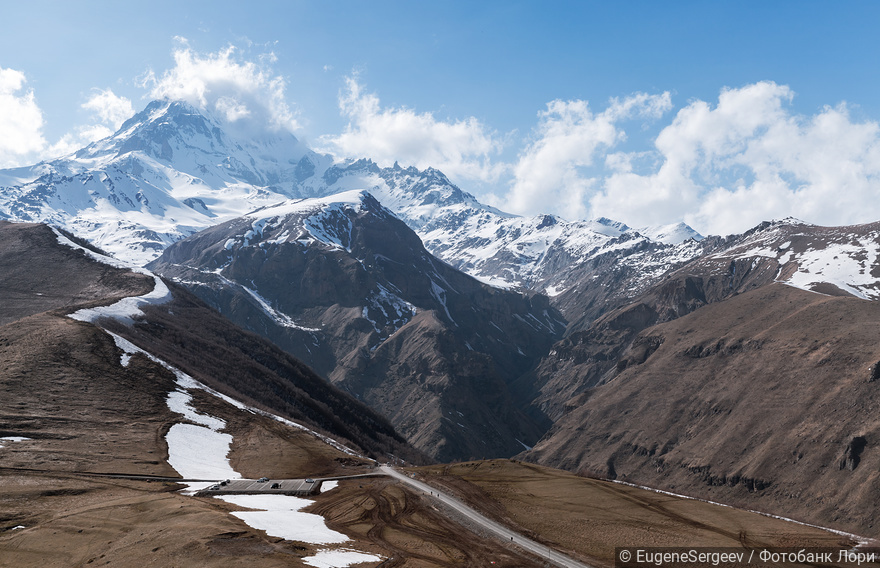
(736, 368)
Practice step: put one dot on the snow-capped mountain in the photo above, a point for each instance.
(605, 317)
(828, 260)
(172, 170)
(496, 247)
(347, 287)
(168, 172)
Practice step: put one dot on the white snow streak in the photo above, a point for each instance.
(127, 308)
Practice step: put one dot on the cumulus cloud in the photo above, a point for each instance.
(557, 166)
(226, 83)
(463, 149)
(725, 168)
(22, 123)
(21, 120)
(108, 111)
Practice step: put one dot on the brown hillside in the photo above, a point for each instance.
(38, 274)
(767, 400)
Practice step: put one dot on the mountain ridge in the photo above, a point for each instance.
(346, 286)
(172, 170)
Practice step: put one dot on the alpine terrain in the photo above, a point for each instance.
(384, 313)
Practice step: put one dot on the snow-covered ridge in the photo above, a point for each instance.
(672, 234)
(352, 198)
(126, 309)
(497, 248)
(809, 256)
(173, 170)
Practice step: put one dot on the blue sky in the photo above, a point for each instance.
(575, 108)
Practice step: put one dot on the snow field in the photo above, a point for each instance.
(280, 516)
(846, 261)
(197, 452)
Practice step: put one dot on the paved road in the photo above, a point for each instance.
(499, 530)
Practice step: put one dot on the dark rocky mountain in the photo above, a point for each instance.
(47, 352)
(600, 342)
(349, 288)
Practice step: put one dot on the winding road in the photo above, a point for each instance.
(502, 532)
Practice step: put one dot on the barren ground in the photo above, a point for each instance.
(588, 518)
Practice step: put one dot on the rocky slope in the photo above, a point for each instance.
(47, 352)
(766, 353)
(766, 400)
(349, 288)
(615, 304)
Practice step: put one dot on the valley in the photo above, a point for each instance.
(179, 302)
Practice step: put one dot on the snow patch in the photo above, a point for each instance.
(281, 318)
(439, 294)
(12, 439)
(280, 516)
(180, 402)
(339, 558)
(197, 452)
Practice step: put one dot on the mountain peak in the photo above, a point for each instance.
(672, 234)
(196, 141)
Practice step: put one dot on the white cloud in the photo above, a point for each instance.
(226, 83)
(111, 109)
(108, 110)
(748, 159)
(22, 123)
(463, 149)
(21, 120)
(554, 170)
